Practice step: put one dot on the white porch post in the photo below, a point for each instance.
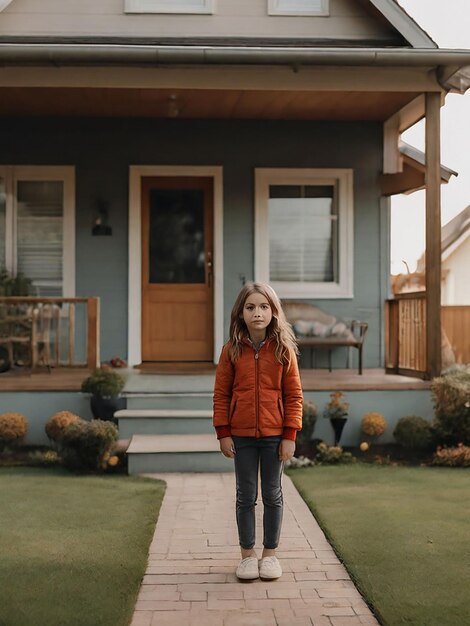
(433, 234)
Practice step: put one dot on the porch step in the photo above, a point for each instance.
(176, 453)
(178, 400)
(163, 422)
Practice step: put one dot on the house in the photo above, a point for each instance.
(455, 246)
(455, 283)
(157, 154)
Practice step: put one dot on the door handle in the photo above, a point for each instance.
(209, 269)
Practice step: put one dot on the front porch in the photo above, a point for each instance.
(156, 380)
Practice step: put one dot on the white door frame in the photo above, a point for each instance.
(136, 173)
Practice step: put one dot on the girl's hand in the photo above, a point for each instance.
(286, 449)
(226, 447)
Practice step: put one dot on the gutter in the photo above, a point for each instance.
(449, 64)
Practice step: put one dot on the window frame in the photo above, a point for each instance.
(275, 8)
(65, 174)
(343, 179)
(161, 7)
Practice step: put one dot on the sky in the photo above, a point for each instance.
(449, 25)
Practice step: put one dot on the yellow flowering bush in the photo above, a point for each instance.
(47, 458)
(373, 424)
(13, 427)
(332, 454)
(58, 423)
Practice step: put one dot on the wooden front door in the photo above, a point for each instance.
(177, 278)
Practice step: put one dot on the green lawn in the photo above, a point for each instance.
(402, 532)
(73, 549)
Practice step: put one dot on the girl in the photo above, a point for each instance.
(257, 412)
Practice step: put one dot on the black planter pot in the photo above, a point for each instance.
(104, 408)
(338, 425)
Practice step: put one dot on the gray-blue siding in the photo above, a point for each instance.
(102, 150)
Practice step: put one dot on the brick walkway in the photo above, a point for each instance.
(190, 576)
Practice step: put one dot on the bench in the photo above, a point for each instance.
(301, 314)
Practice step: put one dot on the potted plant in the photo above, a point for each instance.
(336, 410)
(105, 386)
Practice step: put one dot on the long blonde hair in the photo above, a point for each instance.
(279, 329)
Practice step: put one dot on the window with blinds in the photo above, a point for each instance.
(37, 226)
(303, 233)
(40, 214)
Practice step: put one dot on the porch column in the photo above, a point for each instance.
(433, 234)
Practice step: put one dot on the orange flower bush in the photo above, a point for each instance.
(13, 427)
(458, 456)
(58, 423)
(373, 424)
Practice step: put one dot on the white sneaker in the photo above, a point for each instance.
(270, 568)
(248, 568)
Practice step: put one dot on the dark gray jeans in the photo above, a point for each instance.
(252, 455)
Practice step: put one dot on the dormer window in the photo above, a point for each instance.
(298, 7)
(170, 6)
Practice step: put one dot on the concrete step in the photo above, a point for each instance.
(189, 400)
(168, 383)
(163, 422)
(176, 453)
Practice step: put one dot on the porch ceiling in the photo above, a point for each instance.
(203, 103)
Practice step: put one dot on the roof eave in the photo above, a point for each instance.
(452, 66)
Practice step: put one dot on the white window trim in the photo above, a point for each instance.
(136, 173)
(65, 174)
(158, 6)
(283, 176)
(275, 7)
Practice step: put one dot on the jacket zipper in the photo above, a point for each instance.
(257, 393)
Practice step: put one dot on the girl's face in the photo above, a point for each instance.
(257, 314)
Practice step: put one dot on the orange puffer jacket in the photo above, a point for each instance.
(257, 396)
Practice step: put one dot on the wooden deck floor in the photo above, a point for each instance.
(62, 379)
(312, 379)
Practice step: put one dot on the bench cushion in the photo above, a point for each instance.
(308, 328)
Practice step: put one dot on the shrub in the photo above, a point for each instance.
(458, 456)
(13, 427)
(373, 424)
(309, 419)
(58, 424)
(451, 397)
(414, 431)
(18, 285)
(104, 382)
(87, 445)
(44, 458)
(332, 454)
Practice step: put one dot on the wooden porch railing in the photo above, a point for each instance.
(51, 330)
(405, 335)
(456, 323)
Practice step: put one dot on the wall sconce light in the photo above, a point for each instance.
(100, 221)
(174, 107)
